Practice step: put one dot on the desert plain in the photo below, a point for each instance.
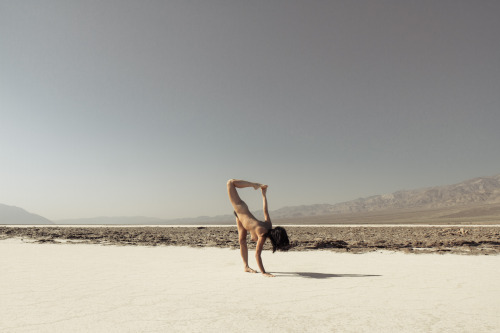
(460, 239)
(190, 279)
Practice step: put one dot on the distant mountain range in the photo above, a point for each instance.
(483, 190)
(475, 196)
(16, 215)
(144, 220)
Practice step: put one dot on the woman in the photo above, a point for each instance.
(259, 231)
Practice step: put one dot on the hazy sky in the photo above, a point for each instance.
(118, 108)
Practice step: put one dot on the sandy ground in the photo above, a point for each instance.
(96, 288)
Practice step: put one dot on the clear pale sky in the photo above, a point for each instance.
(125, 108)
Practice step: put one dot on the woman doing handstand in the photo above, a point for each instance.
(259, 230)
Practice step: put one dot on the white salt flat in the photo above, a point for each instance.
(95, 288)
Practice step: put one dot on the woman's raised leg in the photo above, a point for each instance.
(232, 184)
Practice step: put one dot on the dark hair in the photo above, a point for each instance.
(279, 239)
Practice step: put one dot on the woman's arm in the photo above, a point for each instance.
(258, 251)
(264, 199)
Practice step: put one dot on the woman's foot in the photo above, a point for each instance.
(249, 270)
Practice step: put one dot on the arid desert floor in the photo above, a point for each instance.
(59, 287)
(461, 239)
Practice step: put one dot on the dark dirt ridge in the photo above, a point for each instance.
(356, 239)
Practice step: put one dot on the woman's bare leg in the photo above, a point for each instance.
(243, 183)
(242, 233)
(232, 184)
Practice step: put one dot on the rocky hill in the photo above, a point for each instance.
(16, 215)
(483, 190)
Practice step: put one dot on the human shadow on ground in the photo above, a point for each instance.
(314, 275)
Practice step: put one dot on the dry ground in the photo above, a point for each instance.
(355, 239)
